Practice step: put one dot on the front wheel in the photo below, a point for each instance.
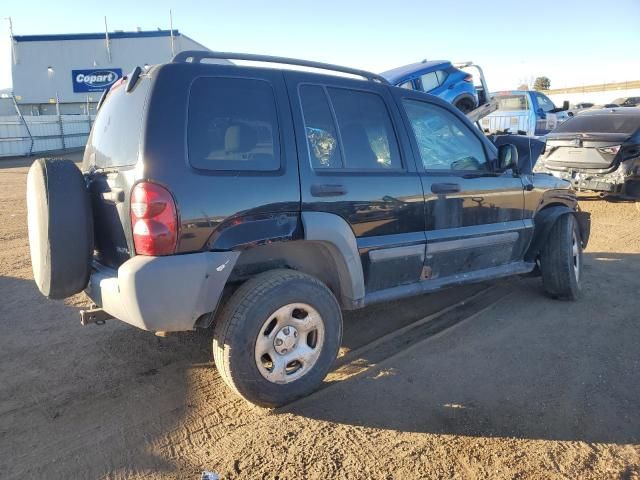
(277, 337)
(561, 259)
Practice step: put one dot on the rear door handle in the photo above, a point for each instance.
(445, 188)
(328, 190)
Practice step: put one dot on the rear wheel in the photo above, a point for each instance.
(561, 259)
(277, 337)
(465, 105)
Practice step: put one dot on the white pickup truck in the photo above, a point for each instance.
(526, 112)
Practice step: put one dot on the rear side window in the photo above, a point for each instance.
(115, 136)
(512, 102)
(366, 139)
(233, 125)
(626, 124)
(442, 76)
(429, 81)
(320, 128)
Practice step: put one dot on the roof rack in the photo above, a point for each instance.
(196, 56)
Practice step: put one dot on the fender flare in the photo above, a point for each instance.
(545, 220)
(337, 236)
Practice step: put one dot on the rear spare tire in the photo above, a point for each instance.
(60, 227)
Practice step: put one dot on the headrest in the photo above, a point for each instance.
(240, 139)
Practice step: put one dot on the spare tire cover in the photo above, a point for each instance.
(60, 226)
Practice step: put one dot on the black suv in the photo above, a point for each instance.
(264, 201)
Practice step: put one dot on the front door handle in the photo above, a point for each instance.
(328, 190)
(445, 188)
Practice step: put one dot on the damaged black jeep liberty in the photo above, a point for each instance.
(262, 202)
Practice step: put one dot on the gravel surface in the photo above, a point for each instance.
(527, 387)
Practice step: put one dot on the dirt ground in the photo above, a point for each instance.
(491, 381)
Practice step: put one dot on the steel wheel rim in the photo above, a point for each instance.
(289, 343)
(575, 254)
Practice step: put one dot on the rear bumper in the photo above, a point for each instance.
(613, 182)
(162, 293)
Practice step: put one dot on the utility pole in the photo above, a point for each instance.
(106, 37)
(173, 43)
(13, 43)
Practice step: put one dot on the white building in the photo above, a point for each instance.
(74, 69)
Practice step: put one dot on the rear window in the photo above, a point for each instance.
(115, 136)
(512, 102)
(626, 124)
(233, 125)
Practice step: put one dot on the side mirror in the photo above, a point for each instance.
(508, 158)
(565, 105)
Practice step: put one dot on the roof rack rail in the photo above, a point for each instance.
(196, 56)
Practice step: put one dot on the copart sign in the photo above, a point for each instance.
(94, 80)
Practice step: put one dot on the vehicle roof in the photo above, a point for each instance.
(398, 74)
(632, 111)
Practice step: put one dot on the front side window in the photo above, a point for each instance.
(429, 81)
(407, 85)
(233, 125)
(444, 142)
(366, 139)
(544, 102)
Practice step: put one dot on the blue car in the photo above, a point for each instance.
(440, 78)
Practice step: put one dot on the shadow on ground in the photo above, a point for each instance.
(531, 368)
(108, 399)
(98, 399)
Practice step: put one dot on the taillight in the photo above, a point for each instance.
(610, 150)
(154, 220)
(468, 78)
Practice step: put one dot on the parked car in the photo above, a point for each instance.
(439, 78)
(598, 107)
(627, 101)
(597, 151)
(265, 201)
(527, 112)
(580, 107)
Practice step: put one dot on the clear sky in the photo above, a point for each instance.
(573, 42)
